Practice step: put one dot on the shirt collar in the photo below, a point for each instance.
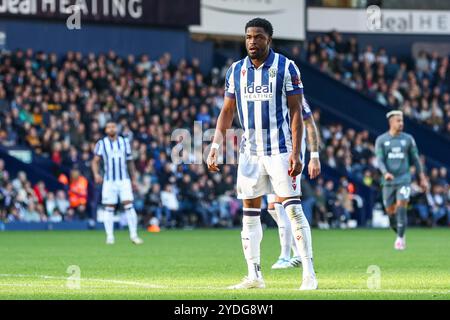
(267, 63)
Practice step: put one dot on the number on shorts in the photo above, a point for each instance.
(405, 191)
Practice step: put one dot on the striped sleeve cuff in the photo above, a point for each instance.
(230, 95)
(307, 115)
(296, 91)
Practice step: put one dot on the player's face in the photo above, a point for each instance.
(397, 123)
(257, 42)
(111, 129)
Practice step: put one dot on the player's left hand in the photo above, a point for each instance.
(314, 168)
(212, 161)
(295, 165)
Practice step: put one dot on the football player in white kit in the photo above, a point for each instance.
(115, 151)
(266, 90)
(276, 210)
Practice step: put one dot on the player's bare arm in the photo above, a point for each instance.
(295, 109)
(95, 169)
(312, 135)
(224, 122)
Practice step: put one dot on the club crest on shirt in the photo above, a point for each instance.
(387, 143)
(273, 72)
(403, 142)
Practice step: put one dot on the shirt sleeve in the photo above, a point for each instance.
(98, 150)
(292, 80)
(128, 154)
(229, 83)
(379, 152)
(306, 109)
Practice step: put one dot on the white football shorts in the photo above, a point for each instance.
(261, 175)
(117, 191)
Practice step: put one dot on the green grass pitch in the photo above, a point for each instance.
(200, 264)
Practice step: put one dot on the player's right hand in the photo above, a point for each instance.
(212, 161)
(98, 179)
(388, 176)
(295, 165)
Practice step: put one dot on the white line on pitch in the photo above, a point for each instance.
(153, 286)
(130, 283)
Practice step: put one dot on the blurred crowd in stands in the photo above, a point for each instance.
(421, 89)
(20, 200)
(58, 107)
(352, 154)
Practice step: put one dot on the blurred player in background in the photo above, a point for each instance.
(115, 151)
(266, 89)
(275, 208)
(395, 151)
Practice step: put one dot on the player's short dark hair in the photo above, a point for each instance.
(260, 23)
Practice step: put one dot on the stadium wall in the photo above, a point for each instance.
(49, 226)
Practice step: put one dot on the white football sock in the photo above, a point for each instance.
(295, 251)
(274, 215)
(251, 240)
(284, 231)
(302, 234)
(281, 234)
(108, 222)
(132, 220)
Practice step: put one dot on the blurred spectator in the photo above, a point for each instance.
(154, 206)
(30, 213)
(170, 204)
(78, 192)
(320, 207)
(40, 191)
(62, 204)
(439, 204)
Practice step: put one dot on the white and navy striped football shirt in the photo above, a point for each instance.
(261, 99)
(115, 154)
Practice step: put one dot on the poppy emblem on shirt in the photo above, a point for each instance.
(295, 80)
(243, 73)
